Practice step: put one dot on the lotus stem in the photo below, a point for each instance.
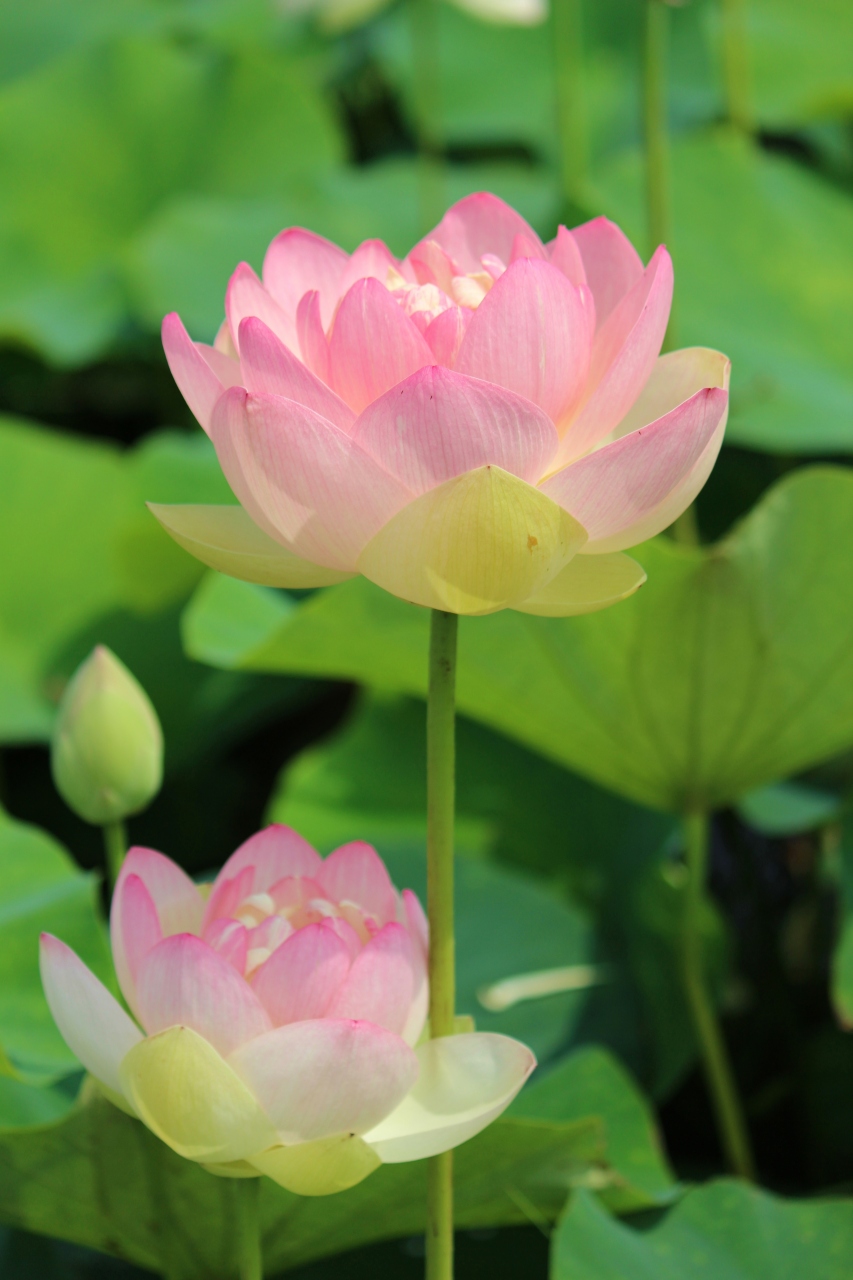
(115, 848)
(736, 74)
(441, 770)
(571, 116)
(715, 1060)
(426, 85)
(250, 1258)
(655, 131)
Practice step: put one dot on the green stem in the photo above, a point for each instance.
(571, 118)
(715, 1060)
(248, 1228)
(426, 87)
(441, 770)
(736, 72)
(115, 847)
(655, 131)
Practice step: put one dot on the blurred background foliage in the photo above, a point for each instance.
(147, 146)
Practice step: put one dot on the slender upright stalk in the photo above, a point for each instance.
(441, 771)
(571, 117)
(115, 848)
(718, 1072)
(655, 45)
(736, 74)
(426, 85)
(248, 1228)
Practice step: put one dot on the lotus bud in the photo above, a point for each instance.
(107, 750)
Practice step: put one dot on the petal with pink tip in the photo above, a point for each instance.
(524, 247)
(373, 345)
(530, 335)
(675, 378)
(202, 374)
(346, 933)
(225, 426)
(135, 928)
(179, 904)
(480, 223)
(246, 296)
(566, 256)
(184, 983)
(372, 260)
(431, 265)
(326, 1076)
(438, 424)
(302, 976)
(299, 260)
(310, 481)
(229, 939)
(614, 490)
(356, 873)
(380, 985)
(226, 895)
(624, 353)
(444, 334)
(586, 585)
(274, 853)
(91, 1021)
(611, 263)
(268, 365)
(312, 337)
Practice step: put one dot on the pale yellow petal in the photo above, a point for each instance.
(227, 539)
(587, 584)
(477, 543)
(190, 1097)
(675, 378)
(319, 1168)
(233, 1169)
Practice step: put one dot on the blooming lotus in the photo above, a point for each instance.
(279, 1021)
(486, 424)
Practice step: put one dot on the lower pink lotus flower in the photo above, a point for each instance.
(486, 424)
(279, 1020)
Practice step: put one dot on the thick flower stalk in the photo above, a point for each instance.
(278, 1022)
(486, 424)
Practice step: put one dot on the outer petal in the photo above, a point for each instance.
(189, 1096)
(179, 904)
(373, 345)
(675, 378)
(624, 354)
(617, 488)
(135, 928)
(530, 334)
(299, 260)
(379, 987)
(611, 263)
(478, 224)
(566, 256)
(246, 296)
(587, 584)
(465, 1082)
(227, 539)
(310, 481)
(184, 982)
(202, 373)
(302, 976)
(355, 873)
(91, 1021)
(319, 1168)
(274, 853)
(325, 1077)
(439, 424)
(479, 543)
(268, 365)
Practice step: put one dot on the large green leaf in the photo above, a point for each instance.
(733, 667)
(101, 1179)
(763, 253)
(722, 1231)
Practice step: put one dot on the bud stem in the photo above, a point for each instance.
(115, 847)
(441, 767)
(426, 86)
(567, 20)
(655, 130)
(249, 1255)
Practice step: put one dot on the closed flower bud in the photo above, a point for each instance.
(107, 751)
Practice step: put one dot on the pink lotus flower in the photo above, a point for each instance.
(457, 426)
(281, 1017)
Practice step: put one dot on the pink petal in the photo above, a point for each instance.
(297, 261)
(380, 986)
(525, 247)
(246, 296)
(294, 891)
(184, 983)
(135, 930)
(303, 975)
(623, 356)
(229, 939)
(346, 933)
(439, 424)
(445, 333)
(611, 263)
(273, 853)
(324, 496)
(268, 365)
(372, 260)
(566, 256)
(356, 873)
(431, 265)
(373, 345)
(612, 490)
(530, 335)
(92, 1022)
(225, 897)
(270, 933)
(179, 904)
(312, 338)
(202, 373)
(478, 224)
(324, 1076)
